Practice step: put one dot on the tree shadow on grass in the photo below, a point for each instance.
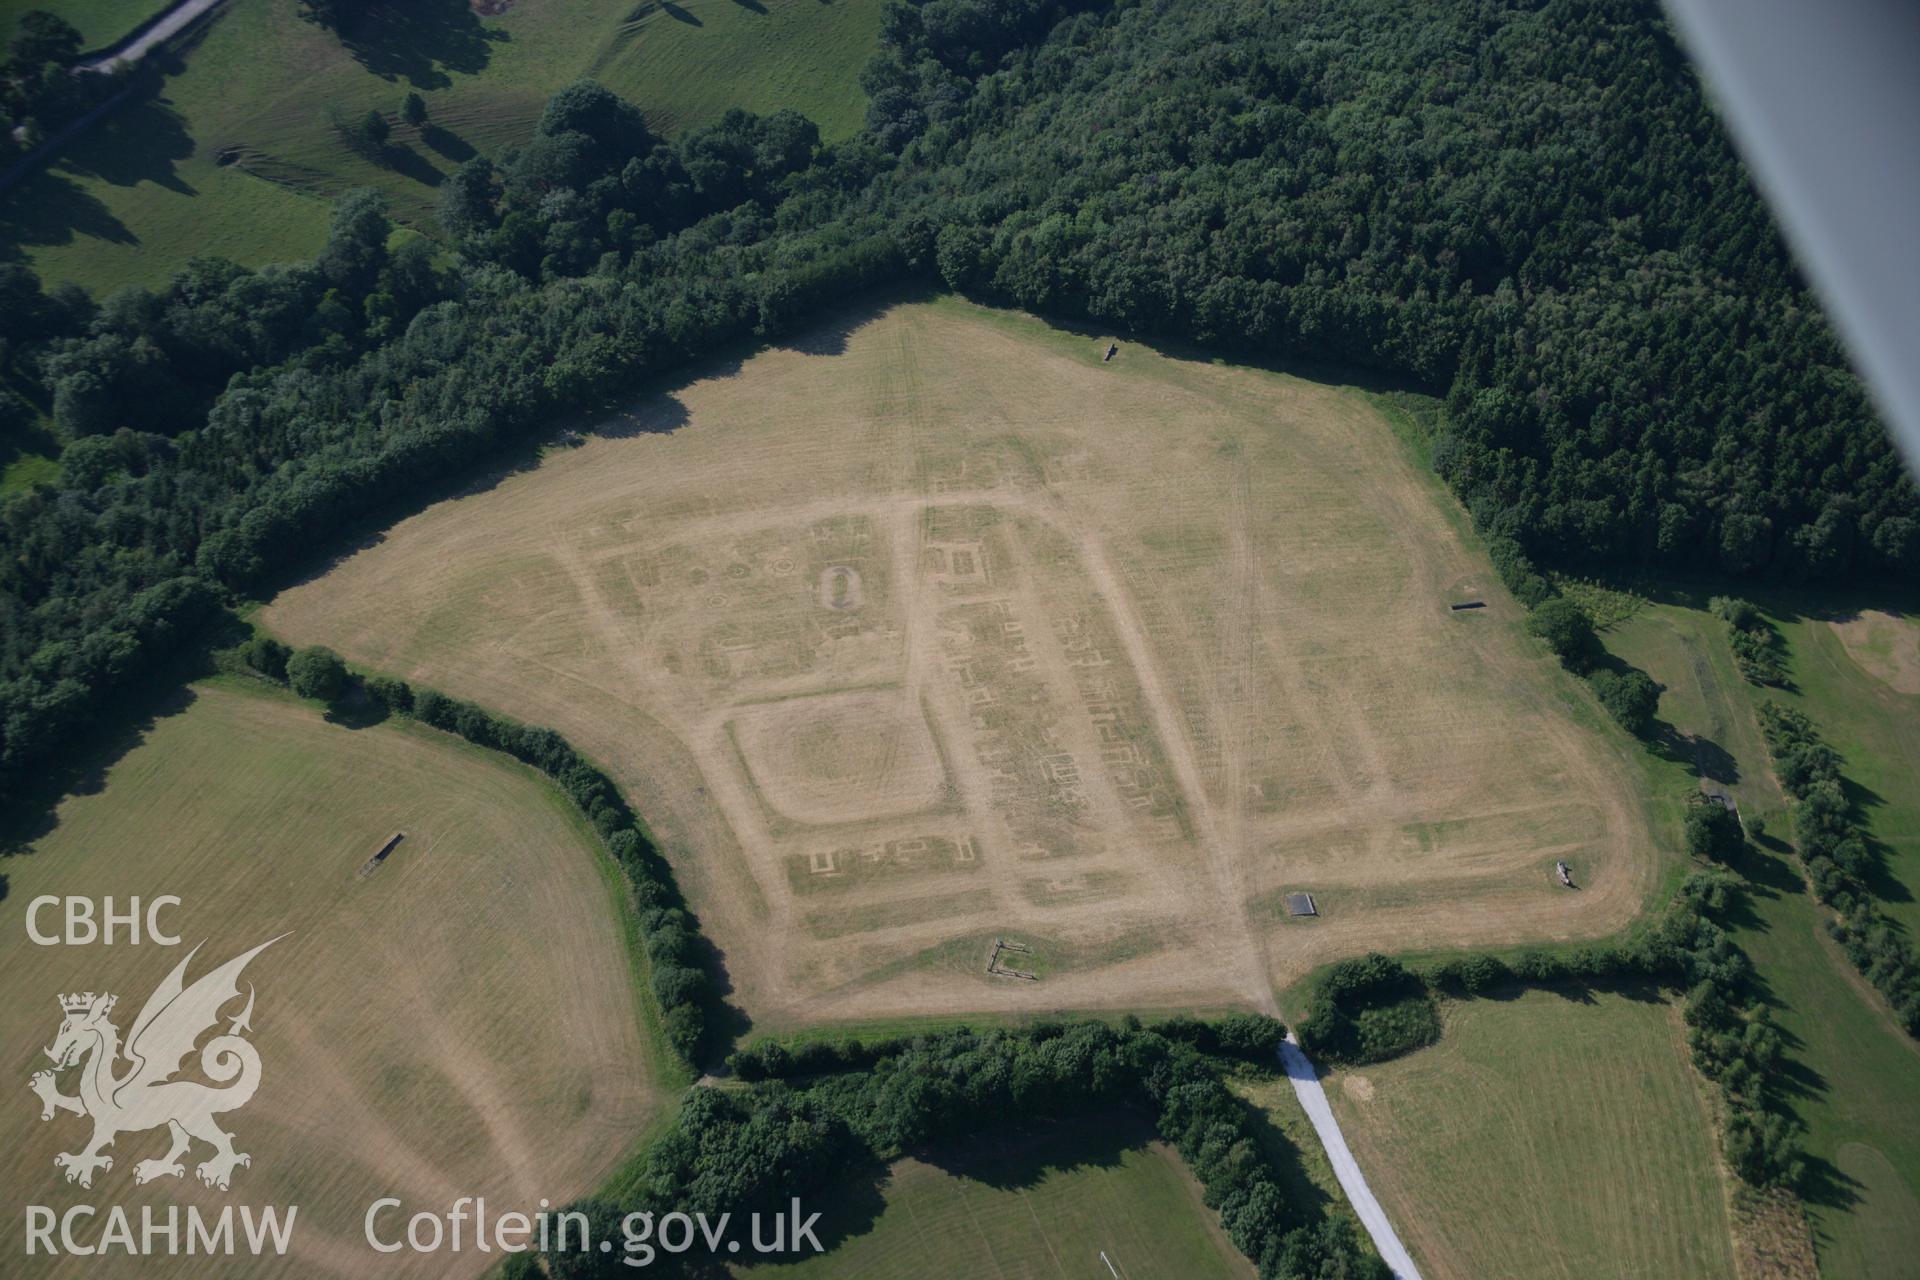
(355, 710)
(144, 141)
(1824, 1184)
(826, 332)
(421, 42)
(848, 1210)
(1010, 1159)
(141, 142)
(398, 157)
(1306, 1203)
(52, 209)
(31, 814)
(661, 414)
(447, 143)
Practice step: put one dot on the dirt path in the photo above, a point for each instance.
(1313, 1099)
(1222, 859)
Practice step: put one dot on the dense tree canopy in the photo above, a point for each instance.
(38, 92)
(1528, 205)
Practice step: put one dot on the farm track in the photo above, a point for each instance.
(1313, 1100)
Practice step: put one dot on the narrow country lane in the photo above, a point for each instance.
(1306, 1087)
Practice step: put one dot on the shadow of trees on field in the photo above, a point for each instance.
(50, 209)
(447, 143)
(143, 141)
(1020, 1159)
(32, 814)
(398, 157)
(421, 41)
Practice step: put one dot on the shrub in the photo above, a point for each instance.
(686, 1027)
(1567, 631)
(1631, 698)
(1368, 1010)
(395, 695)
(1253, 1036)
(1713, 830)
(269, 657)
(677, 984)
(317, 672)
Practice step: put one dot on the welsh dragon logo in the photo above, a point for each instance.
(145, 1095)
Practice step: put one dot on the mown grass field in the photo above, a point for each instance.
(1857, 672)
(934, 628)
(1855, 1077)
(1026, 1208)
(148, 189)
(462, 1021)
(1545, 1137)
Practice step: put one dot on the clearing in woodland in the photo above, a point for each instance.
(461, 1021)
(933, 629)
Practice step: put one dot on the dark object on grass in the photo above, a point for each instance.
(372, 864)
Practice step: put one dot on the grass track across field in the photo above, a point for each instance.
(458, 1022)
(1544, 1137)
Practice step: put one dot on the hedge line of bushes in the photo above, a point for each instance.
(1375, 1007)
(1755, 644)
(1839, 859)
(1369, 1010)
(683, 967)
(1628, 694)
(753, 1149)
(1253, 1037)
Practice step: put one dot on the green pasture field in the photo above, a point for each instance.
(1035, 1206)
(1545, 1136)
(1854, 1076)
(237, 157)
(465, 1014)
(24, 470)
(99, 22)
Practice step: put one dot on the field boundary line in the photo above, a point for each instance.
(1313, 1099)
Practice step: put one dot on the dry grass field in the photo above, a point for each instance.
(461, 1021)
(935, 629)
(1545, 1137)
(1885, 645)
